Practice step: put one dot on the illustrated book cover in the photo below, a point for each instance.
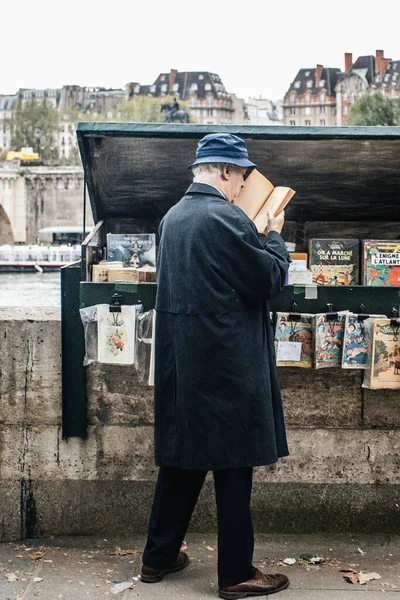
(334, 261)
(134, 249)
(294, 340)
(116, 335)
(355, 341)
(381, 263)
(385, 364)
(259, 198)
(328, 339)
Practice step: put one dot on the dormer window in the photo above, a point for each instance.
(307, 73)
(153, 89)
(309, 83)
(201, 77)
(194, 87)
(387, 77)
(175, 87)
(322, 83)
(208, 87)
(162, 77)
(297, 84)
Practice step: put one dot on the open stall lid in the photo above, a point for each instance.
(138, 171)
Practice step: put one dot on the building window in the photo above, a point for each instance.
(164, 88)
(292, 110)
(322, 98)
(308, 98)
(322, 109)
(201, 77)
(345, 110)
(307, 111)
(322, 83)
(297, 84)
(210, 100)
(175, 87)
(192, 101)
(209, 112)
(322, 122)
(153, 89)
(162, 78)
(292, 122)
(309, 83)
(292, 99)
(193, 87)
(308, 122)
(207, 87)
(344, 96)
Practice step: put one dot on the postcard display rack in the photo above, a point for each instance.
(347, 183)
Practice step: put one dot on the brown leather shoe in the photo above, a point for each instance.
(150, 575)
(261, 585)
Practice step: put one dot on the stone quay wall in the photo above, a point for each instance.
(343, 473)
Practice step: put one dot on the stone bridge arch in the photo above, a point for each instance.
(6, 232)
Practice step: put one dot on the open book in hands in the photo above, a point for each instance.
(259, 199)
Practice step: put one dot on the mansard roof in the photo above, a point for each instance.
(8, 102)
(185, 83)
(305, 81)
(391, 77)
(364, 66)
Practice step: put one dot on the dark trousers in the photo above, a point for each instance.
(176, 494)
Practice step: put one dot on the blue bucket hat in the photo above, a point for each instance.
(223, 148)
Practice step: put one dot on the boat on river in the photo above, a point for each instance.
(34, 257)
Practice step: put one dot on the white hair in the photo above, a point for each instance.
(205, 172)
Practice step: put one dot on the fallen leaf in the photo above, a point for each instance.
(37, 579)
(350, 575)
(37, 555)
(392, 586)
(47, 560)
(210, 548)
(19, 556)
(289, 561)
(364, 577)
(11, 577)
(360, 551)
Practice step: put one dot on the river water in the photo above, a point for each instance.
(30, 289)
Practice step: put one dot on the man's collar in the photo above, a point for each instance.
(204, 188)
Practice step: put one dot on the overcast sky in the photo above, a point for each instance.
(255, 46)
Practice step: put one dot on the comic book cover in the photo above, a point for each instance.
(355, 341)
(133, 250)
(334, 261)
(385, 367)
(381, 263)
(294, 340)
(328, 340)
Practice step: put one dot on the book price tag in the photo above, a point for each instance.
(289, 351)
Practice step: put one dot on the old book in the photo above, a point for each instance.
(100, 271)
(294, 340)
(384, 371)
(259, 199)
(328, 339)
(144, 275)
(381, 263)
(355, 341)
(134, 249)
(334, 261)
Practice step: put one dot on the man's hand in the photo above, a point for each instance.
(276, 223)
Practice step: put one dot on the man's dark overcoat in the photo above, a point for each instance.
(217, 399)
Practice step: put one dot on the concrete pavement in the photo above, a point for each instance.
(80, 568)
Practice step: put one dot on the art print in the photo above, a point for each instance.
(116, 335)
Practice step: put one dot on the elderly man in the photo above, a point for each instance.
(217, 400)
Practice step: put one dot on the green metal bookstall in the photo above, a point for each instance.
(347, 182)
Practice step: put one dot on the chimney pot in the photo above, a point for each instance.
(318, 73)
(172, 78)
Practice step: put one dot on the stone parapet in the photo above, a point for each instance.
(343, 473)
